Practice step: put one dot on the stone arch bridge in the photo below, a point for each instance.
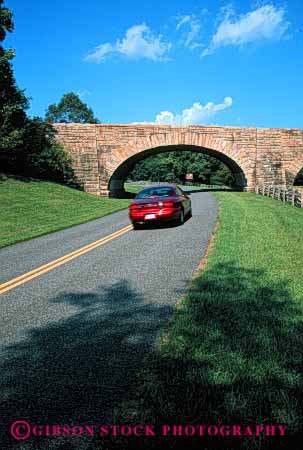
(103, 155)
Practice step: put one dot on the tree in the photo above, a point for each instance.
(173, 166)
(27, 145)
(70, 109)
(13, 103)
(6, 21)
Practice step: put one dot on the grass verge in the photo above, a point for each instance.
(33, 208)
(233, 352)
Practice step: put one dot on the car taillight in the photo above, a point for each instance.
(132, 206)
(167, 204)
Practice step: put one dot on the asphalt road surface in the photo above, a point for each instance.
(73, 339)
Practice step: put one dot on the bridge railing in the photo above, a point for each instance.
(286, 195)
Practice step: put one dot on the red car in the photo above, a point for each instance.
(160, 203)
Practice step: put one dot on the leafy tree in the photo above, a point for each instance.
(6, 21)
(43, 156)
(173, 166)
(54, 164)
(27, 145)
(70, 109)
(13, 102)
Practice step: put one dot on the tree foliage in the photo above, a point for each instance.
(70, 109)
(6, 21)
(54, 163)
(27, 145)
(173, 167)
(13, 102)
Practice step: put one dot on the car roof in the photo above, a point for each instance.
(160, 186)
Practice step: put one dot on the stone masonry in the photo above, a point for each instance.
(103, 155)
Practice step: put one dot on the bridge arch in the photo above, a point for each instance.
(101, 154)
(298, 178)
(119, 175)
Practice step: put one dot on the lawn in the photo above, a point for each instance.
(33, 208)
(232, 353)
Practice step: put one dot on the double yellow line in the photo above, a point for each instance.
(13, 283)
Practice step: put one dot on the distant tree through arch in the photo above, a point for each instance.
(173, 167)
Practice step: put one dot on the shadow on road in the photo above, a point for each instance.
(80, 369)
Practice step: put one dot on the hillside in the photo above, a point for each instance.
(31, 208)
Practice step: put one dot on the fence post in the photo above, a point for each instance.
(284, 195)
(293, 196)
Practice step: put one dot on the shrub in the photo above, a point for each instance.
(54, 164)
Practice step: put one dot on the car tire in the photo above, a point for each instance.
(181, 217)
(136, 226)
(190, 213)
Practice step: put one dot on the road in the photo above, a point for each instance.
(73, 339)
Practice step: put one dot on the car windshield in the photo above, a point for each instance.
(156, 192)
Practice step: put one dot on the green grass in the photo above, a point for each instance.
(134, 188)
(233, 354)
(33, 208)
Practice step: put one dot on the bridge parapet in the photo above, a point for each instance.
(103, 155)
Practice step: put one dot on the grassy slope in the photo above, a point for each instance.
(233, 352)
(33, 208)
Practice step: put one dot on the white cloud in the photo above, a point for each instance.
(191, 23)
(182, 20)
(138, 42)
(100, 52)
(196, 114)
(264, 23)
(84, 93)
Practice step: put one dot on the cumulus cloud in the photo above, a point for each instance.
(193, 27)
(139, 42)
(264, 23)
(196, 114)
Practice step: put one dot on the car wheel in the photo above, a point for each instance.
(136, 226)
(181, 217)
(190, 213)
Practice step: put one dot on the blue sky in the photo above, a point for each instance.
(195, 62)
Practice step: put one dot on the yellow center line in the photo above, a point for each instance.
(14, 282)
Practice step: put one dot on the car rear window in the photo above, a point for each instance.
(156, 192)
